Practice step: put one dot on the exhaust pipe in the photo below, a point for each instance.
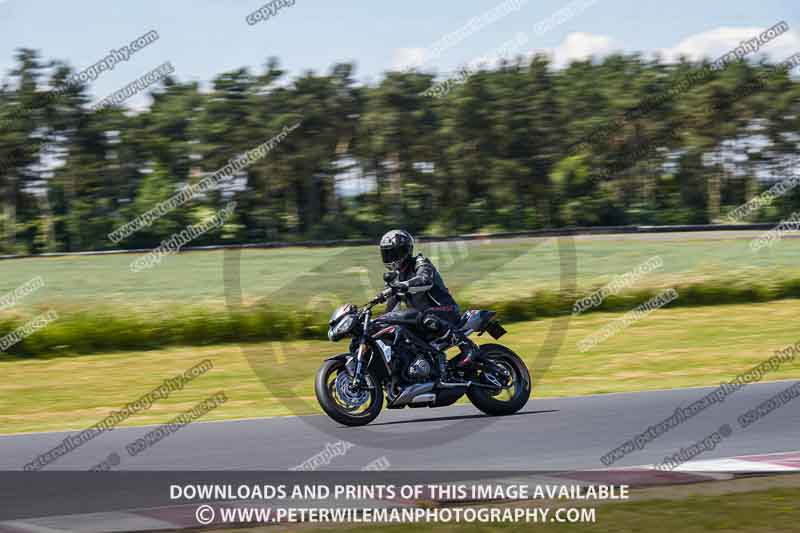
(424, 398)
(410, 394)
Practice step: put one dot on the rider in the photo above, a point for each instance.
(418, 283)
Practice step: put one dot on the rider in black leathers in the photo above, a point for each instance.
(430, 306)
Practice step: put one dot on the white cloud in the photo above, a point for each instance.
(713, 43)
(580, 45)
(405, 58)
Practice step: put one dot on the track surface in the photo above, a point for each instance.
(558, 433)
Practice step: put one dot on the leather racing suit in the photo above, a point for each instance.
(426, 292)
(430, 306)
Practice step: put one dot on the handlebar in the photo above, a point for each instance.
(380, 298)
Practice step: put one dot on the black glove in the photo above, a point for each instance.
(400, 287)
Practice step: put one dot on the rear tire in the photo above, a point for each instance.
(488, 402)
(325, 390)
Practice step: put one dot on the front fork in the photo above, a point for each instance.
(358, 378)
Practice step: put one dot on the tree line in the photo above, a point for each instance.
(520, 145)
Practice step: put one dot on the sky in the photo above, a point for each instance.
(202, 38)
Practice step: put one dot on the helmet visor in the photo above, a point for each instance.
(395, 253)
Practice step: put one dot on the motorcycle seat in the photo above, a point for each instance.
(475, 320)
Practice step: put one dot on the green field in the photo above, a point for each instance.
(679, 347)
(476, 271)
(193, 299)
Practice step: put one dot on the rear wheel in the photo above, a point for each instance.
(346, 405)
(505, 369)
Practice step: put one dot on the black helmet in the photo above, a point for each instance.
(396, 249)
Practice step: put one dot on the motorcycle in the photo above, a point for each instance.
(389, 356)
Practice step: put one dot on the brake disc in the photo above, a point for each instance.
(353, 399)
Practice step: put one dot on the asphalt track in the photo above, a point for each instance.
(556, 433)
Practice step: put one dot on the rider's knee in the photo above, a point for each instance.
(432, 323)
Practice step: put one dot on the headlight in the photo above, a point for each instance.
(340, 311)
(341, 328)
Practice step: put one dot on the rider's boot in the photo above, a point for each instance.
(470, 352)
(442, 365)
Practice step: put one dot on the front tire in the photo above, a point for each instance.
(489, 401)
(345, 408)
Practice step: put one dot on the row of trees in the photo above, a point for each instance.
(497, 152)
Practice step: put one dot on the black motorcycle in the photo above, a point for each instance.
(389, 354)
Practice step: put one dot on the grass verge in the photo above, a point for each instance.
(766, 511)
(82, 331)
(680, 347)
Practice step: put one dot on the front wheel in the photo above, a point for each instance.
(501, 367)
(348, 406)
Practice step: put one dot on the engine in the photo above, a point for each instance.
(411, 367)
(420, 369)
